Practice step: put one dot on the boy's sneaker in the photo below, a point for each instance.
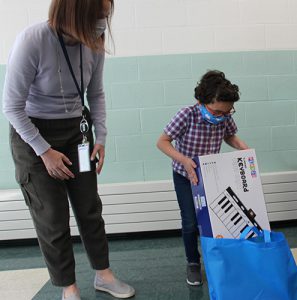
(194, 274)
(116, 288)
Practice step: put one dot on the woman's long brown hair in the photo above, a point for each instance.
(77, 18)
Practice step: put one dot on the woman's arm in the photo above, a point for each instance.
(21, 70)
(96, 100)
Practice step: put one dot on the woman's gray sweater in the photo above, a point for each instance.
(32, 86)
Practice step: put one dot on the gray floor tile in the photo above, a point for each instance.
(154, 266)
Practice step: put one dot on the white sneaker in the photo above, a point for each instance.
(116, 288)
(75, 296)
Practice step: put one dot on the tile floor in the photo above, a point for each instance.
(155, 266)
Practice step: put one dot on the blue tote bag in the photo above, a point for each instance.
(259, 268)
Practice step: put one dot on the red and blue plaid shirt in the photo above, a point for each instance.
(194, 136)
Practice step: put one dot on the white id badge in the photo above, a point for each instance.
(84, 157)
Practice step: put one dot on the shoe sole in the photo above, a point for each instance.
(196, 283)
(121, 296)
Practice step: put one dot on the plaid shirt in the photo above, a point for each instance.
(194, 136)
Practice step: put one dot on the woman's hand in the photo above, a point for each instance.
(100, 149)
(190, 166)
(54, 162)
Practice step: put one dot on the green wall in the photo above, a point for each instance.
(143, 93)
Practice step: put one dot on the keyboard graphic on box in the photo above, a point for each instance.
(229, 195)
(232, 213)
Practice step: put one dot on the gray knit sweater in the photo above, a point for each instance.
(32, 86)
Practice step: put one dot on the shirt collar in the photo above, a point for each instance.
(198, 114)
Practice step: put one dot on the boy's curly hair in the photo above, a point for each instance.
(214, 86)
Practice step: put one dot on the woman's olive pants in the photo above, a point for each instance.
(47, 199)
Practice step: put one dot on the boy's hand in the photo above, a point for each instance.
(190, 166)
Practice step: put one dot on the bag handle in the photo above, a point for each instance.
(248, 229)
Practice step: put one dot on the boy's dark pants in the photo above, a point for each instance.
(183, 191)
(47, 199)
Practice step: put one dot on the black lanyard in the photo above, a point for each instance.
(81, 89)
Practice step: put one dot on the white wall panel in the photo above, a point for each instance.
(124, 15)
(188, 40)
(292, 11)
(132, 42)
(264, 11)
(282, 36)
(213, 12)
(144, 206)
(282, 206)
(12, 21)
(160, 13)
(199, 12)
(37, 15)
(160, 27)
(234, 38)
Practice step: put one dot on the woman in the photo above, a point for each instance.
(52, 145)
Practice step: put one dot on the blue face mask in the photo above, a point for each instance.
(209, 117)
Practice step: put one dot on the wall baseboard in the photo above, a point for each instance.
(144, 206)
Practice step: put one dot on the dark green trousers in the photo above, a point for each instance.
(47, 199)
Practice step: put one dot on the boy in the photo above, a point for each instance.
(199, 130)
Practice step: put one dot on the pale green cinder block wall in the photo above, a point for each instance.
(143, 93)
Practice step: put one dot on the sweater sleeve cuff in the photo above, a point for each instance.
(101, 140)
(39, 145)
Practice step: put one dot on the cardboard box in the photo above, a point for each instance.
(229, 194)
